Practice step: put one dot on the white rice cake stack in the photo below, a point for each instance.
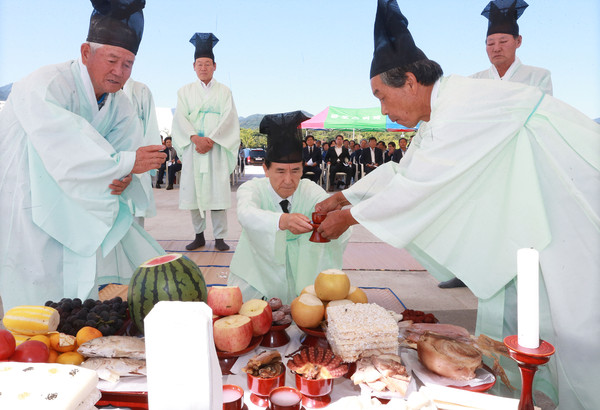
(361, 329)
(47, 386)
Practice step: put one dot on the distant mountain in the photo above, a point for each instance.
(4, 91)
(253, 121)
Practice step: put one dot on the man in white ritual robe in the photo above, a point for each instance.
(501, 45)
(141, 98)
(502, 41)
(274, 256)
(72, 140)
(502, 166)
(206, 135)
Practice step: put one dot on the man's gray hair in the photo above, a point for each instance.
(94, 46)
(427, 72)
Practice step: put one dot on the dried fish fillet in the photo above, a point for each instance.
(114, 346)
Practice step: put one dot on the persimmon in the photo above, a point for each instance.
(52, 356)
(70, 358)
(62, 342)
(87, 333)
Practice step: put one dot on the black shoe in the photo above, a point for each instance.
(157, 185)
(169, 187)
(221, 245)
(198, 242)
(452, 283)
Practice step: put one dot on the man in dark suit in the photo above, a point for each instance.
(371, 157)
(172, 164)
(311, 160)
(392, 154)
(339, 159)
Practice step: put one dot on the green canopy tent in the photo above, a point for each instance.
(362, 119)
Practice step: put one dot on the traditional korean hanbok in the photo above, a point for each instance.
(207, 112)
(503, 166)
(141, 98)
(520, 73)
(62, 232)
(278, 263)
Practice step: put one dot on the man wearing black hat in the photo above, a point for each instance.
(74, 141)
(501, 166)
(501, 45)
(274, 257)
(206, 134)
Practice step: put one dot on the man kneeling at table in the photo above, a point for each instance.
(274, 257)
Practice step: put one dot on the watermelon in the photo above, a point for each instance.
(167, 277)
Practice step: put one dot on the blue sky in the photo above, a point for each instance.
(286, 55)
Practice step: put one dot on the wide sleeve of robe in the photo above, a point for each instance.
(501, 166)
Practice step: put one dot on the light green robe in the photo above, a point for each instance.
(62, 232)
(501, 166)
(141, 98)
(278, 263)
(207, 112)
(520, 73)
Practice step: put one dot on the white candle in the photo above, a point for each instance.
(528, 298)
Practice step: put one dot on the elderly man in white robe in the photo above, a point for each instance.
(141, 98)
(501, 45)
(66, 180)
(206, 135)
(275, 257)
(524, 173)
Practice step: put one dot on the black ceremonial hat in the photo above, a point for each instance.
(117, 23)
(204, 43)
(394, 45)
(284, 138)
(503, 15)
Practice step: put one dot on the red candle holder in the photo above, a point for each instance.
(317, 219)
(528, 361)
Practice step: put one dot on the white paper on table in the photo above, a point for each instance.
(456, 399)
(189, 376)
(125, 384)
(411, 360)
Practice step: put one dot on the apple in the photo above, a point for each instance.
(224, 300)
(260, 313)
(232, 333)
(7, 344)
(215, 318)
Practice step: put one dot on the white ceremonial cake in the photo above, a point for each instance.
(361, 329)
(47, 386)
